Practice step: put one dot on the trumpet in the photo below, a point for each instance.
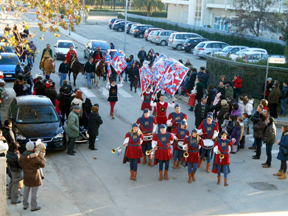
(186, 154)
(148, 152)
(113, 151)
(221, 156)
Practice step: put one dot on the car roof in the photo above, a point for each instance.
(185, 33)
(6, 54)
(65, 41)
(238, 46)
(254, 52)
(213, 42)
(143, 25)
(34, 100)
(197, 38)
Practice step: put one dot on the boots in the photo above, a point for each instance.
(279, 173)
(225, 182)
(193, 176)
(219, 180)
(150, 162)
(131, 176)
(178, 164)
(207, 168)
(190, 178)
(112, 115)
(166, 175)
(134, 176)
(144, 160)
(174, 165)
(199, 165)
(283, 175)
(161, 175)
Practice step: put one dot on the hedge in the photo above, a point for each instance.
(141, 13)
(272, 48)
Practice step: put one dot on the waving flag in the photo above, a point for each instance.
(158, 69)
(145, 76)
(107, 61)
(118, 62)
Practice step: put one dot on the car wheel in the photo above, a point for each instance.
(140, 35)
(163, 43)
(179, 47)
(119, 29)
(85, 55)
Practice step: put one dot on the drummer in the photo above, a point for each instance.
(179, 133)
(223, 147)
(175, 118)
(193, 143)
(133, 153)
(162, 142)
(209, 129)
(147, 98)
(148, 126)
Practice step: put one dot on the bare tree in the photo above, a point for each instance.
(255, 16)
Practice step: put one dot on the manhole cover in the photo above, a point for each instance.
(262, 186)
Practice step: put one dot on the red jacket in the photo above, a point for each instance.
(68, 56)
(237, 82)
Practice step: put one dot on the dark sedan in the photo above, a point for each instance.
(91, 46)
(119, 26)
(35, 117)
(190, 43)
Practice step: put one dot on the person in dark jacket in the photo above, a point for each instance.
(284, 98)
(7, 131)
(112, 46)
(18, 70)
(192, 79)
(28, 79)
(273, 99)
(269, 86)
(142, 55)
(201, 111)
(236, 133)
(93, 125)
(40, 87)
(63, 71)
(27, 68)
(86, 107)
(134, 76)
(269, 139)
(51, 93)
(283, 153)
(224, 109)
(211, 94)
(89, 69)
(221, 88)
(205, 78)
(64, 98)
(19, 88)
(15, 171)
(199, 89)
(259, 134)
(255, 119)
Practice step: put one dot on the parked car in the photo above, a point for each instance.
(4, 37)
(119, 26)
(111, 21)
(228, 50)
(253, 57)
(129, 26)
(148, 31)
(133, 26)
(8, 63)
(61, 48)
(208, 47)
(91, 46)
(5, 47)
(34, 117)
(152, 35)
(177, 39)
(190, 43)
(162, 37)
(242, 53)
(138, 30)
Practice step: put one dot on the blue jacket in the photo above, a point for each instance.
(284, 92)
(283, 144)
(18, 70)
(129, 64)
(236, 133)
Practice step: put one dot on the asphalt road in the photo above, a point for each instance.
(83, 185)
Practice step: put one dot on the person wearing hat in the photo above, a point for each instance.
(175, 118)
(113, 94)
(162, 143)
(133, 141)
(192, 145)
(222, 148)
(179, 133)
(47, 53)
(97, 55)
(71, 56)
(269, 86)
(72, 129)
(161, 109)
(210, 130)
(32, 177)
(148, 126)
(147, 98)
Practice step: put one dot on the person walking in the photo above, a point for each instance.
(72, 129)
(133, 77)
(142, 55)
(32, 176)
(63, 71)
(89, 68)
(269, 139)
(283, 153)
(93, 126)
(273, 99)
(284, 98)
(13, 156)
(113, 94)
(34, 49)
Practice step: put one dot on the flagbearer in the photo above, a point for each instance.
(113, 94)
(147, 98)
(179, 133)
(133, 141)
(161, 142)
(175, 118)
(148, 126)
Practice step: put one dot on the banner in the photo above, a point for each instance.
(118, 62)
(145, 76)
(158, 69)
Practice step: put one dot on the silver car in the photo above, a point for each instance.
(228, 50)
(162, 37)
(208, 47)
(151, 35)
(176, 40)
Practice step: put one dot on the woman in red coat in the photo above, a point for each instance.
(133, 141)
(192, 144)
(162, 142)
(222, 148)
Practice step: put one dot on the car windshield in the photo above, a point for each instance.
(200, 45)
(226, 49)
(6, 49)
(36, 114)
(9, 60)
(65, 44)
(103, 46)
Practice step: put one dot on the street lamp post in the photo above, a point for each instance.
(125, 26)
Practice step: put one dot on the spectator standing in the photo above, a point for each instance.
(89, 68)
(228, 91)
(30, 57)
(18, 70)
(112, 46)
(199, 89)
(273, 99)
(51, 92)
(63, 71)
(130, 61)
(269, 139)
(188, 64)
(142, 55)
(205, 78)
(237, 87)
(222, 113)
(3, 145)
(64, 97)
(284, 98)
(86, 107)
(39, 86)
(133, 77)
(269, 86)
(258, 135)
(236, 110)
(192, 79)
(246, 121)
(221, 88)
(19, 88)
(34, 49)
(93, 126)
(236, 133)
(201, 111)
(28, 79)
(72, 129)
(7, 131)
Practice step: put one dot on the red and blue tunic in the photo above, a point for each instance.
(223, 147)
(161, 111)
(180, 134)
(134, 149)
(164, 151)
(193, 149)
(208, 129)
(146, 125)
(177, 118)
(147, 100)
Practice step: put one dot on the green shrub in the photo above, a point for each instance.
(272, 48)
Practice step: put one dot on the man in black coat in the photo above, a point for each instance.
(40, 86)
(142, 55)
(221, 88)
(8, 132)
(65, 99)
(93, 125)
(192, 79)
(51, 93)
(89, 68)
(201, 111)
(63, 71)
(255, 118)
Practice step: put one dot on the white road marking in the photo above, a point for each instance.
(104, 91)
(87, 92)
(124, 93)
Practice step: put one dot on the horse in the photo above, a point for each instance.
(99, 71)
(76, 67)
(48, 66)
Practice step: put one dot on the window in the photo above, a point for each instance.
(9, 60)
(179, 36)
(209, 45)
(36, 114)
(216, 45)
(198, 12)
(234, 50)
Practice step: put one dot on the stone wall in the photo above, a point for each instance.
(253, 76)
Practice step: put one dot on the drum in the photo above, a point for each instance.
(208, 144)
(180, 145)
(148, 137)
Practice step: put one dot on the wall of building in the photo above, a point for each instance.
(3, 185)
(177, 13)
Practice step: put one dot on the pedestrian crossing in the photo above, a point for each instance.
(88, 93)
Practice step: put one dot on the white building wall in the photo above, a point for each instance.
(178, 13)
